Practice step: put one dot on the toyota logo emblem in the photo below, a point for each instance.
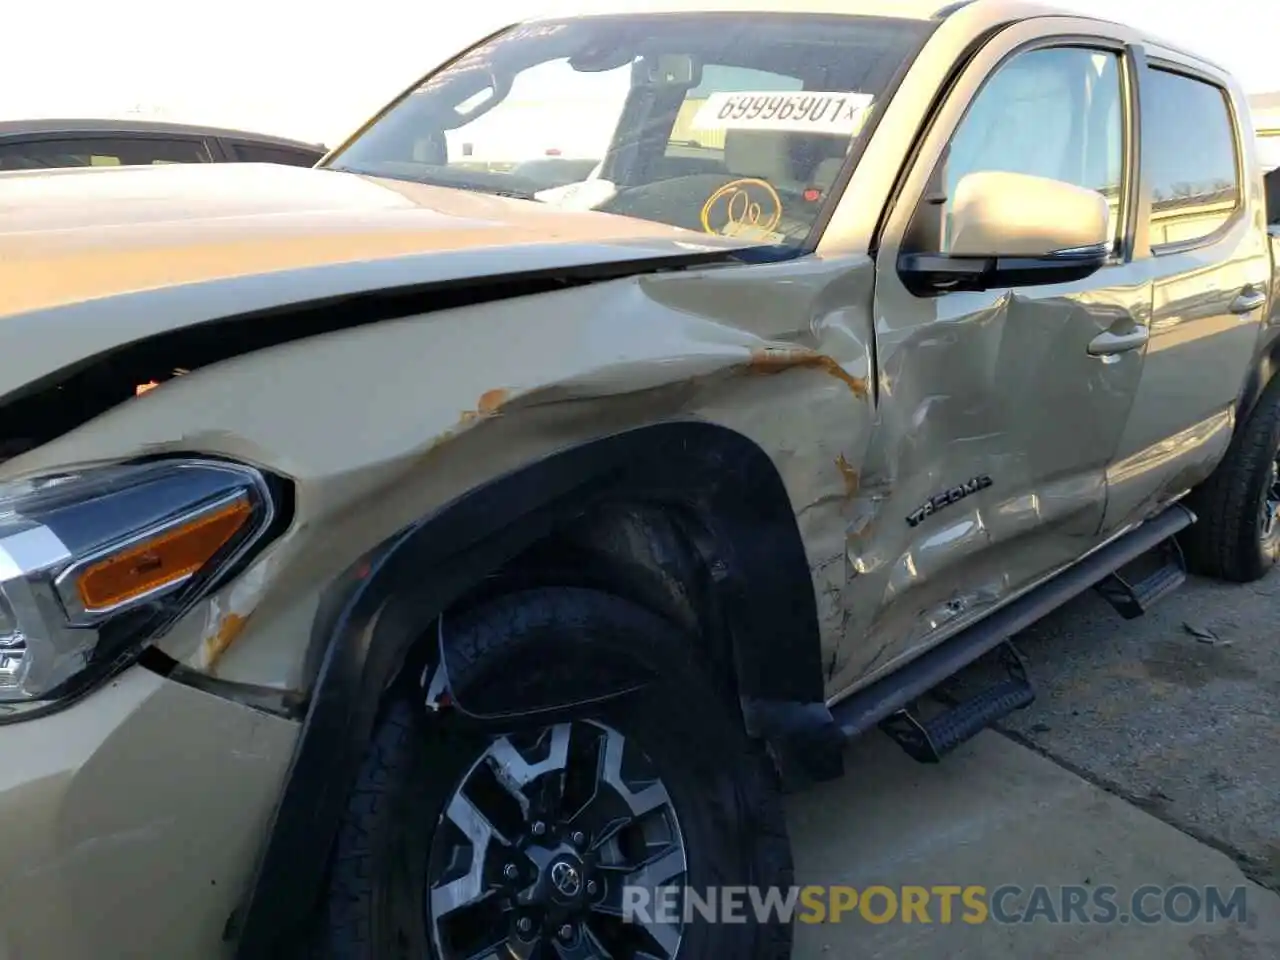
(566, 878)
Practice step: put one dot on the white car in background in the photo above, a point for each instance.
(1265, 108)
(1269, 161)
(1269, 147)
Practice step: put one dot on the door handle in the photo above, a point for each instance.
(1250, 299)
(1108, 344)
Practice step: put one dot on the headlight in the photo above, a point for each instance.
(94, 564)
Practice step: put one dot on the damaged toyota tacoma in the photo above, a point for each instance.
(422, 554)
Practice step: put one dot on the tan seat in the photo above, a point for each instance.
(789, 161)
(763, 154)
(824, 175)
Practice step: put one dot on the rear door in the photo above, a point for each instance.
(1208, 261)
(998, 391)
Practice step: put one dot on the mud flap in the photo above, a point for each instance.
(803, 740)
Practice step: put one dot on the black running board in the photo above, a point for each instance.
(863, 711)
(929, 740)
(1138, 585)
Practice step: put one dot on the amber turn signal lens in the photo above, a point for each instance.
(167, 558)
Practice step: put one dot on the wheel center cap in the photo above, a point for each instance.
(566, 878)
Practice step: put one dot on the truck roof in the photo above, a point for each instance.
(992, 10)
(905, 9)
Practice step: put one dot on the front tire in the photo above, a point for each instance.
(1237, 534)
(458, 845)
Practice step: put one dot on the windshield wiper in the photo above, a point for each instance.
(493, 191)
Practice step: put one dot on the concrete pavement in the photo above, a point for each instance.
(998, 813)
(1186, 727)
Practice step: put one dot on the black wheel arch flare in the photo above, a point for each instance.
(372, 617)
(1265, 367)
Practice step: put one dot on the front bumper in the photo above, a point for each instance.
(130, 823)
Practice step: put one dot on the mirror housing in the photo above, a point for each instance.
(670, 70)
(1014, 230)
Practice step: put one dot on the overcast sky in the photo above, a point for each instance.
(315, 71)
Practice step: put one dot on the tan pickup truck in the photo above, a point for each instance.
(405, 558)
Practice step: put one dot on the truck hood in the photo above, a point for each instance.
(91, 259)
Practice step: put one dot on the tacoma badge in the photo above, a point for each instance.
(946, 498)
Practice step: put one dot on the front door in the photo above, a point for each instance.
(1015, 398)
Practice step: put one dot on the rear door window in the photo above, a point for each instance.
(100, 152)
(1189, 148)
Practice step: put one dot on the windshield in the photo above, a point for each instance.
(717, 123)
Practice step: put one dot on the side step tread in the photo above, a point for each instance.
(928, 741)
(1137, 587)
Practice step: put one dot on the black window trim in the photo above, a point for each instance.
(1229, 225)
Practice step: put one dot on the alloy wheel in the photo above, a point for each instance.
(542, 841)
(1271, 507)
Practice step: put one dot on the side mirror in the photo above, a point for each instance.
(1014, 230)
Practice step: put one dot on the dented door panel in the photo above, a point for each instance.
(996, 388)
(987, 471)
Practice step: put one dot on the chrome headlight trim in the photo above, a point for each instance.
(141, 520)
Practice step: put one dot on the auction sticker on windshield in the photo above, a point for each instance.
(810, 111)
